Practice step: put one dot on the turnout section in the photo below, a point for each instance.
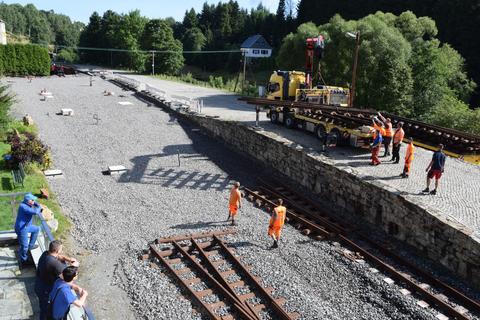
(215, 278)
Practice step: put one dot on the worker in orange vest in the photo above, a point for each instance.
(235, 202)
(277, 221)
(408, 158)
(375, 146)
(378, 126)
(387, 135)
(397, 142)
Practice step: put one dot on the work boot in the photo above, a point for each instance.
(426, 190)
(275, 244)
(234, 223)
(34, 247)
(433, 192)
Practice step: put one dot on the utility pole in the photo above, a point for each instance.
(354, 71)
(244, 70)
(153, 63)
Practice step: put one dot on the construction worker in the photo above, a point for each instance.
(387, 135)
(235, 202)
(378, 126)
(397, 142)
(435, 169)
(376, 148)
(277, 221)
(408, 158)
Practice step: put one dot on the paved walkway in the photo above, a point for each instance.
(17, 294)
(459, 192)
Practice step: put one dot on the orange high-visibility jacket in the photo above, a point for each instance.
(409, 154)
(379, 128)
(278, 218)
(398, 136)
(235, 196)
(388, 130)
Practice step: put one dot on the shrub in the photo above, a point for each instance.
(67, 55)
(28, 148)
(24, 59)
(216, 82)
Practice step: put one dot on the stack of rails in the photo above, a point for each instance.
(457, 144)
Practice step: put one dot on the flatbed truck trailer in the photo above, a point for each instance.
(328, 128)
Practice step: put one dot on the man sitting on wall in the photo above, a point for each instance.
(50, 266)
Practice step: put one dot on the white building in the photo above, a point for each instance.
(256, 47)
(3, 33)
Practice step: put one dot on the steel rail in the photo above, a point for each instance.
(428, 133)
(157, 254)
(280, 312)
(466, 301)
(292, 215)
(232, 300)
(474, 305)
(222, 280)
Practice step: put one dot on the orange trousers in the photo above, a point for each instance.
(375, 152)
(275, 231)
(233, 210)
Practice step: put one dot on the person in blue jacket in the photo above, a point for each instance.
(23, 226)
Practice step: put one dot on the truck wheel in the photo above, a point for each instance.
(289, 122)
(274, 117)
(320, 132)
(335, 137)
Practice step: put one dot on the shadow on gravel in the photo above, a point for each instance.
(202, 148)
(198, 225)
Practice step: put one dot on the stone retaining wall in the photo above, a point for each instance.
(440, 239)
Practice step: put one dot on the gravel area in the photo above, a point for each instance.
(457, 200)
(115, 217)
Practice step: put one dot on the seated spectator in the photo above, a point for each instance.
(50, 266)
(61, 296)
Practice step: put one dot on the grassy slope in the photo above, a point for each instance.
(32, 183)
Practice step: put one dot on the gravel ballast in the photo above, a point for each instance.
(115, 217)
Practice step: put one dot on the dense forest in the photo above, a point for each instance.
(43, 27)
(417, 58)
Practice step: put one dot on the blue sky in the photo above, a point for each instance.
(81, 10)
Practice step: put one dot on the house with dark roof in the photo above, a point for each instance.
(256, 47)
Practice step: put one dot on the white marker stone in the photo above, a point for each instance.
(53, 172)
(116, 169)
(67, 112)
(125, 103)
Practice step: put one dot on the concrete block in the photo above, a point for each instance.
(66, 112)
(53, 172)
(116, 169)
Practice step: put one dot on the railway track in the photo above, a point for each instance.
(215, 279)
(312, 220)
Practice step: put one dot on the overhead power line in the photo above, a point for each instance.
(146, 51)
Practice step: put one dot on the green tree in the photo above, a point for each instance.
(158, 35)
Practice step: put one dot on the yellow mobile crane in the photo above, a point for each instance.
(296, 86)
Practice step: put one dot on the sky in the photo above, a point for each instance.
(81, 10)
